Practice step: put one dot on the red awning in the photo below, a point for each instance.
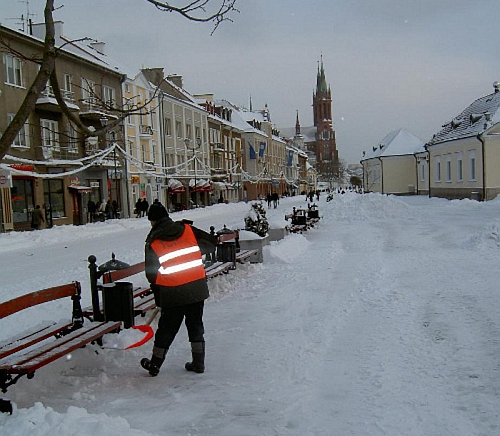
(23, 167)
(178, 190)
(207, 188)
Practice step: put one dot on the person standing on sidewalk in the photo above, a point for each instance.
(174, 268)
(37, 218)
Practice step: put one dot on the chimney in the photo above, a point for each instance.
(496, 85)
(154, 75)
(176, 79)
(98, 46)
(38, 29)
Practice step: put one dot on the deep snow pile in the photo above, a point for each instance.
(380, 321)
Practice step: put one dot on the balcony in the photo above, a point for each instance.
(145, 130)
(47, 100)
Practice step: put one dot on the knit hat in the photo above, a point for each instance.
(156, 212)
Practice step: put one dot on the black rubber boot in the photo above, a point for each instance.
(154, 364)
(198, 354)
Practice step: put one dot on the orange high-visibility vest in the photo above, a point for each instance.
(180, 260)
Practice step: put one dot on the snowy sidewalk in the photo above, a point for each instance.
(380, 321)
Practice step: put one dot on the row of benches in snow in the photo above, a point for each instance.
(303, 219)
(24, 354)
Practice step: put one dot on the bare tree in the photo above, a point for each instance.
(215, 11)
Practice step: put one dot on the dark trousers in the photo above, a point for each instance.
(171, 319)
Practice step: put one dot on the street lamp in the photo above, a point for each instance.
(104, 122)
(194, 146)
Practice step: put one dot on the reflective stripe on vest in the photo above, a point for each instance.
(180, 260)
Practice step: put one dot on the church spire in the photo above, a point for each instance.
(321, 86)
(297, 125)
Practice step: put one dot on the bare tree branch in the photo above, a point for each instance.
(194, 10)
(46, 67)
(197, 10)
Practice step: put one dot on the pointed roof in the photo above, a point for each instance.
(474, 120)
(321, 86)
(398, 143)
(297, 125)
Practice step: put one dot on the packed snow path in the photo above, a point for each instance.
(383, 320)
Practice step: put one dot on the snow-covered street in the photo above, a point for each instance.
(383, 320)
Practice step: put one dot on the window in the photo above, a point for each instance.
(153, 152)
(21, 139)
(448, 167)
(188, 131)
(438, 168)
(178, 129)
(54, 196)
(22, 191)
(108, 96)
(472, 164)
(197, 133)
(152, 118)
(168, 127)
(12, 70)
(422, 171)
(460, 166)
(72, 139)
(88, 92)
(67, 90)
(50, 137)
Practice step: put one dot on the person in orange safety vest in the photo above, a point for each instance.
(174, 268)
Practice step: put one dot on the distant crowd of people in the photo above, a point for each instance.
(106, 209)
(141, 207)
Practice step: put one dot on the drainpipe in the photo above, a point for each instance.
(381, 175)
(416, 173)
(428, 159)
(482, 141)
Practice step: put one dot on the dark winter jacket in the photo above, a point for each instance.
(172, 296)
(37, 218)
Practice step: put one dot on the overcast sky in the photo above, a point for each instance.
(390, 63)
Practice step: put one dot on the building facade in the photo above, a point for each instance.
(464, 156)
(50, 163)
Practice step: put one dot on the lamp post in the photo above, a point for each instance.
(112, 136)
(194, 146)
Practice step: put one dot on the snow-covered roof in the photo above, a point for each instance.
(85, 48)
(475, 119)
(238, 118)
(308, 133)
(296, 150)
(398, 143)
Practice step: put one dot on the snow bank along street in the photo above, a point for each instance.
(382, 320)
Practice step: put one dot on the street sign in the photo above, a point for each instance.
(5, 179)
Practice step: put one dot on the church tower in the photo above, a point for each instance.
(327, 164)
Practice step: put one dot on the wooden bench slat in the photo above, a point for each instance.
(26, 340)
(218, 268)
(114, 276)
(145, 304)
(31, 361)
(245, 254)
(38, 297)
(225, 237)
(138, 293)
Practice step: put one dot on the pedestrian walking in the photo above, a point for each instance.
(174, 268)
(275, 198)
(144, 207)
(37, 218)
(138, 208)
(91, 208)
